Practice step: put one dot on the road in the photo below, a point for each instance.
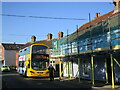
(14, 80)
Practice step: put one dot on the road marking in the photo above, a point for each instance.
(28, 78)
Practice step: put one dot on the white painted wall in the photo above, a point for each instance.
(75, 70)
(65, 69)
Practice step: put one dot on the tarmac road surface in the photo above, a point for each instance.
(12, 80)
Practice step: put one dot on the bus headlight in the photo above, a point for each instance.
(32, 72)
(47, 72)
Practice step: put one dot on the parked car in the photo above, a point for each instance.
(13, 68)
(5, 68)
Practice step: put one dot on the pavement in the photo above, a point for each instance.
(87, 83)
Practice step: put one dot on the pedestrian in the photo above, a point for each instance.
(51, 72)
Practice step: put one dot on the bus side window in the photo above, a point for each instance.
(22, 63)
(19, 64)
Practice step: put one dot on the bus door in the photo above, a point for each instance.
(21, 66)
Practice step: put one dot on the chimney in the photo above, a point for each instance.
(33, 38)
(49, 36)
(97, 15)
(116, 5)
(60, 35)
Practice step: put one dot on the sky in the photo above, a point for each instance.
(20, 29)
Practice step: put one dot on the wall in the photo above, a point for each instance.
(10, 57)
(85, 67)
(16, 59)
(75, 67)
(1, 52)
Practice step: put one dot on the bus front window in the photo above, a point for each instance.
(38, 62)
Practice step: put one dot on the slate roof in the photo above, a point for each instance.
(10, 46)
(46, 42)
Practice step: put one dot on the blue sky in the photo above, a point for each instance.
(20, 29)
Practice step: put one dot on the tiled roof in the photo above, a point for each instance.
(10, 46)
(92, 23)
(96, 20)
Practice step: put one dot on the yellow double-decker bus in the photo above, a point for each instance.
(33, 61)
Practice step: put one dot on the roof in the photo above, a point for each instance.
(96, 20)
(10, 46)
(93, 22)
(99, 19)
(46, 42)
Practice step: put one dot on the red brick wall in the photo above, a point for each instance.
(1, 52)
(16, 58)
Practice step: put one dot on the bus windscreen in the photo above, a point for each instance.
(40, 61)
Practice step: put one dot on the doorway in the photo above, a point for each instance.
(57, 70)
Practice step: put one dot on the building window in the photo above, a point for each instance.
(86, 68)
